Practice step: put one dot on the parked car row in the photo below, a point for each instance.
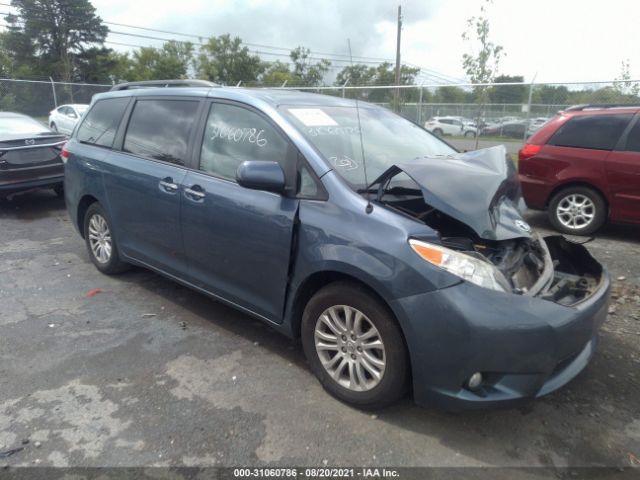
(511, 127)
(30, 151)
(451, 126)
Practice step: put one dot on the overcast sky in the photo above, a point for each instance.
(557, 40)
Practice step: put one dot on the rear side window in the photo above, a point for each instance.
(160, 129)
(633, 139)
(598, 132)
(233, 135)
(101, 123)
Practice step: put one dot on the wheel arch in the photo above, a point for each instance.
(577, 183)
(314, 282)
(83, 205)
(317, 280)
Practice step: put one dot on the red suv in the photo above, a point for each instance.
(583, 166)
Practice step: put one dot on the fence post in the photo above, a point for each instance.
(420, 106)
(526, 125)
(344, 85)
(55, 98)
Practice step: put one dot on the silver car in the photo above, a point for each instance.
(64, 118)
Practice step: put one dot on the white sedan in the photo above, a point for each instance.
(65, 117)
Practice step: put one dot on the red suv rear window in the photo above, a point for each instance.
(599, 132)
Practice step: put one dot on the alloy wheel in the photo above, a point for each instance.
(576, 211)
(350, 348)
(100, 238)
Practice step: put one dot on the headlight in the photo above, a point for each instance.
(462, 265)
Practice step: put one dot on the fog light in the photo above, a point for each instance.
(475, 381)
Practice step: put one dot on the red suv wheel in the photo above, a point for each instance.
(577, 211)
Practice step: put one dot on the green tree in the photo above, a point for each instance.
(508, 93)
(550, 95)
(5, 59)
(172, 60)
(224, 60)
(275, 74)
(385, 75)
(103, 65)
(481, 65)
(305, 72)
(49, 36)
(357, 74)
(450, 94)
(623, 84)
(382, 74)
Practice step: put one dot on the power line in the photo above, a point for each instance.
(334, 57)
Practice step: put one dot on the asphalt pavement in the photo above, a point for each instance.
(135, 370)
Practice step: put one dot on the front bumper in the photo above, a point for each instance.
(525, 347)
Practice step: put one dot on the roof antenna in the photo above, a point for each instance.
(369, 207)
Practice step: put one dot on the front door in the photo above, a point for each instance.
(143, 182)
(238, 241)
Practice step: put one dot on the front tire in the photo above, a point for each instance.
(577, 211)
(354, 346)
(54, 127)
(438, 132)
(469, 134)
(100, 242)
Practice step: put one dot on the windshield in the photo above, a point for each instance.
(387, 139)
(19, 125)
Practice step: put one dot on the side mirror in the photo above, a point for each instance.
(261, 175)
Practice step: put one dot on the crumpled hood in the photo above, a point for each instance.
(481, 189)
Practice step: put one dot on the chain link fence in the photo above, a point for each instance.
(38, 97)
(496, 112)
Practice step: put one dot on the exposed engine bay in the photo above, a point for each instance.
(552, 268)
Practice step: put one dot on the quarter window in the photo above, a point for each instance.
(160, 129)
(598, 132)
(233, 135)
(633, 139)
(101, 123)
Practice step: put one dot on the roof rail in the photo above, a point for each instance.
(163, 84)
(577, 108)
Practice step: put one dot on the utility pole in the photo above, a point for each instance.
(397, 92)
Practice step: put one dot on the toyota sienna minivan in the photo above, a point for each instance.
(399, 263)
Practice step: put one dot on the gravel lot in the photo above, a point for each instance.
(149, 373)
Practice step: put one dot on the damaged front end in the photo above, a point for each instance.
(474, 202)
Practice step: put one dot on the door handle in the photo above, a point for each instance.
(195, 192)
(168, 185)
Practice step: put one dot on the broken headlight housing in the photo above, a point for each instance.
(467, 267)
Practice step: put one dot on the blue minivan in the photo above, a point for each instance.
(398, 262)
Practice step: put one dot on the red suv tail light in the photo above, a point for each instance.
(528, 151)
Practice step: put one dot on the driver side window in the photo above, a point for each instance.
(235, 134)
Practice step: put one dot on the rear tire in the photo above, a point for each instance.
(100, 242)
(577, 211)
(469, 134)
(354, 346)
